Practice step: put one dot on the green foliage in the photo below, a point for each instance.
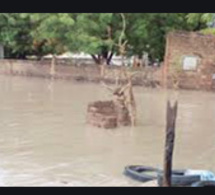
(91, 33)
(202, 17)
(52, 30)
(205, 22)
(34, 34)
(15, 34)
(94, 33)
(208, 31)
(146, 31)
(199, 20)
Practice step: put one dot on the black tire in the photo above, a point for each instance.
(139, 173)
(179, 179)
(203, 184)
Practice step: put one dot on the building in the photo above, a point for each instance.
(194, 55)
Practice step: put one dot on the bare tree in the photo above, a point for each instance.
(123, 95)
(122, 44)
(130, 100)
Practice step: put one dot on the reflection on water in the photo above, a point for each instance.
(45, 141)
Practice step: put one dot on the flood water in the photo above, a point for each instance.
(45, 140)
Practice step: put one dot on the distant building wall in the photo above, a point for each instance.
(65, 69)
(194, 54)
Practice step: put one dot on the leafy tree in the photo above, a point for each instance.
(205, 21)
(96, 34)
(200, 19)
(34, 34)
(50, 31)
(83, 32)
(146, 31)
(99, 34)
(15, 35)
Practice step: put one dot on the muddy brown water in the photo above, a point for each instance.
(45, 141)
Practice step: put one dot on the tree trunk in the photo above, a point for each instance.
(96, 59)
(109, 58)
(103, 57)
(169, 145)
(21, 56)
(105, 54)
(135, 62)
(123, 60)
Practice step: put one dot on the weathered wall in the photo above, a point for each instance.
(181, 44)
(81, 72)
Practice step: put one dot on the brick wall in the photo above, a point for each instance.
(79, 72)
(181, 44)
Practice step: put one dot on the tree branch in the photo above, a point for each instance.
(123, 29)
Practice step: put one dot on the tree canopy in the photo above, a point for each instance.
(146, 32)
(204, 21)
(97, 34)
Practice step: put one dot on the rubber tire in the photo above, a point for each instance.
(203, 184)
(133, 171)
(179, 179)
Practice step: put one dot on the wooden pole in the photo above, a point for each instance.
(52, 68)
(169, 145)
